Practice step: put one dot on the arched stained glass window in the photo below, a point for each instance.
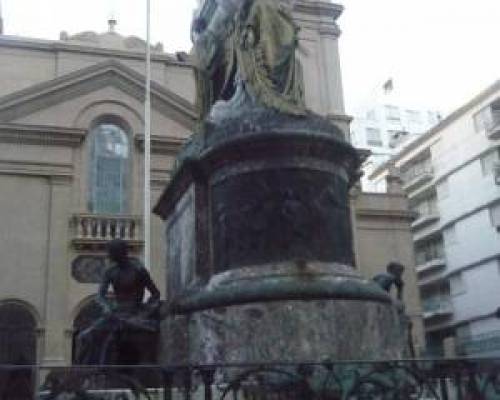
(109, 170)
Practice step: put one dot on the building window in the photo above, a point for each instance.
(450, 235)
(483, 119)
(109, 170)
(371, 115)
(426, 207)
(373, 137)
(429, 251)
(416, 170)
(495, 215)
(488, 162)
(397, 137)
(413, 116)
(392, 113)
(457, 285)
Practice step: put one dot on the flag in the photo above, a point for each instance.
(388, 85)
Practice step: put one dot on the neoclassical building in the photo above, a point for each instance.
(71, 171)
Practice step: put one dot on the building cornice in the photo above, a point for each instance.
(108, 73)
(41, 135)
(57, 46)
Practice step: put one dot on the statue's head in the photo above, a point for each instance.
(395, 268)
(117, 250)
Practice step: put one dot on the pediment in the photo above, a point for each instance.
(111, 73)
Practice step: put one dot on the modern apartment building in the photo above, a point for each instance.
(452, 177)
(385, 124)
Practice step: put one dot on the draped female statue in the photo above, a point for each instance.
(246, 53)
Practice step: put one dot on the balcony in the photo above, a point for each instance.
(416, 177)
(425, 219)
(432, 232)
(92, 232)
(437, 307)
(434, 278)
(493, 128)
(431, 265)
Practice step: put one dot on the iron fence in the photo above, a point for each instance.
(460, 379)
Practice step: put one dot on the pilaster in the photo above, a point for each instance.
(55, 310)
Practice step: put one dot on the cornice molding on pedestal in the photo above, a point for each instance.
(319, 8)
(41, 135)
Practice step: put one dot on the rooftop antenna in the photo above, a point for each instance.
(112, 21)
(112, 24)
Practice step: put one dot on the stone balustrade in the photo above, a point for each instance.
(98, 229)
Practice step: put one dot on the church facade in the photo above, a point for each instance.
(71, 171)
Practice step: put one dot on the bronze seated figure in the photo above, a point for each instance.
(123, 334)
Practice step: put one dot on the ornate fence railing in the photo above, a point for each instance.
(460, 379)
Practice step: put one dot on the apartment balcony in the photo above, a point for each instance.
(493, 130)
(92, 232)
(434, 278)
(431, 265)
(425, 219)
(429, 233)
(416, 179)
(437, 307)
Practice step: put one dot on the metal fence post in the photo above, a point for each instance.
(208, 379)
(167, 385)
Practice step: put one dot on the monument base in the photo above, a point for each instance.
(345, 318)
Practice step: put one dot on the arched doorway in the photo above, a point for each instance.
(17, 347)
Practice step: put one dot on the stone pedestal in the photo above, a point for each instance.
(260, 250)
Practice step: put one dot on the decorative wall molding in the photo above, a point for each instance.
(30, 168)
(41, 135)
(60, 46)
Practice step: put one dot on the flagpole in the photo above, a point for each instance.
(147, 144)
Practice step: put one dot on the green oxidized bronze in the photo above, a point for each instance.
(247, 52)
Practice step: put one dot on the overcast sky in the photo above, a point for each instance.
(439, 52)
